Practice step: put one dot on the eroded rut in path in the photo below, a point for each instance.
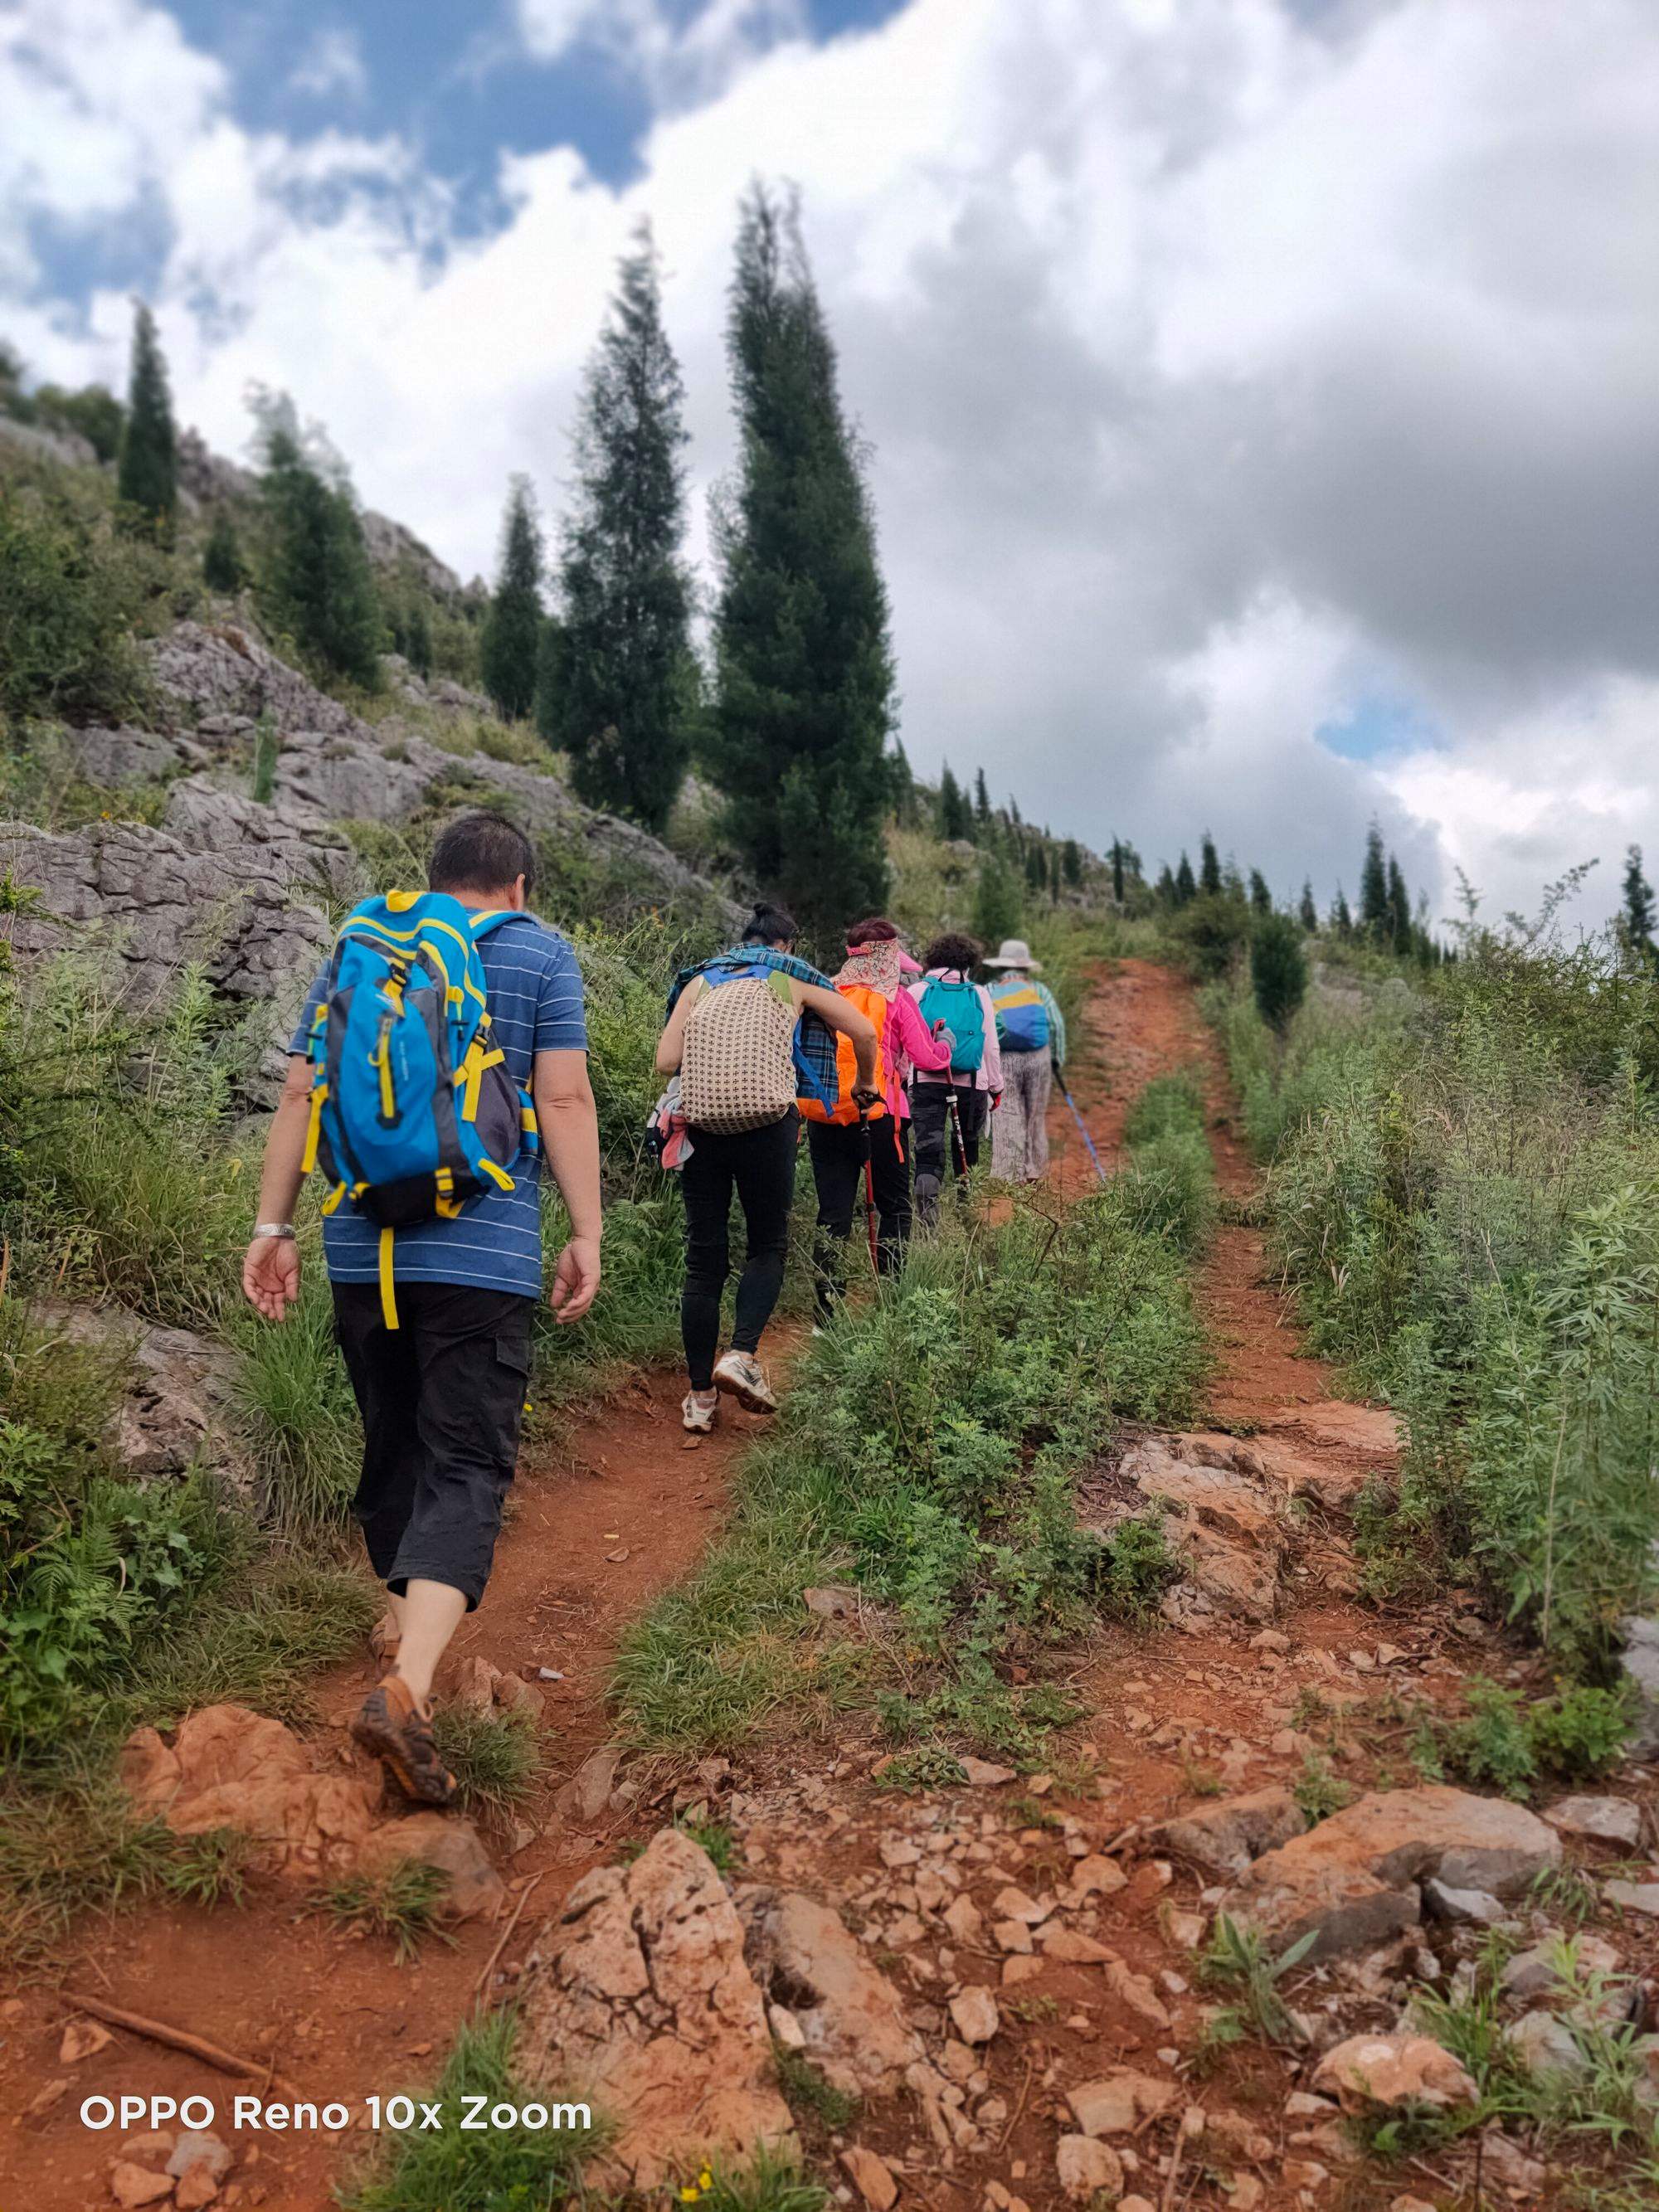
(1002, 1973)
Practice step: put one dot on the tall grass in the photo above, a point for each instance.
(1464, 1190)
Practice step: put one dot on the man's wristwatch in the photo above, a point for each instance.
(282, 1232)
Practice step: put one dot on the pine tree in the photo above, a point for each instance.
(1165, 889)
(1341, 914)
(1209, 867)
(1637, 918)
(1071, 861)
(1117, 870)
(997, 903)
(318, 580)
(982, 824)
(1185, 884)
(223, 568)
(805, 672)
(1374, 888)
(510, 649)
(955, 816)
(1398, 926)
(1261, 899)
(624, 711)
(146, 479)
(1308, 913)
(1036, 866)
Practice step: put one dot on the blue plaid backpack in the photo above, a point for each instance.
(413, 1111)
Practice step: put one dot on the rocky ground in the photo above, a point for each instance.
(1010, 1990)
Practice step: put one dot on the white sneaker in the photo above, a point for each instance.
(696, 1416)
(741, 1375)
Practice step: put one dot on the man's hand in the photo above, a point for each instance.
(575, 1278)
(865, 1096)
(270, 1275)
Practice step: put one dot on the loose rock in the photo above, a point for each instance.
(1354, 1880)
(975, 2014)
(872, 2177)
(1085, 2166)
(1370, 2070)
(1225, 1838)
(1604, 1820)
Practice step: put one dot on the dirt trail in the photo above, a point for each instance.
(594, 1531)
(593, 1534)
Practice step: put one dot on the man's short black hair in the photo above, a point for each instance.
(482, 853)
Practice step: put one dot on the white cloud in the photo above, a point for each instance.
(332, 64)
(1214, 359)
(682, 50)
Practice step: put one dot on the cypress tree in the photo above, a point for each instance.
(981, 806)
(1117, 868)
(1036, 867)
(1398, 926)
(1185, 884)
(904, 787)
(317, 582)
(509, 649)
(1638, 918)
(1071, 860)
(1209, 867)
(1342, 917)
(1374, 888)
(1261, 899)
(803, 668)
(1054, 874)
(223, 568)
(624, 711)
(147, 479)
(1165, 889)
(1308, 913)
(956, 819)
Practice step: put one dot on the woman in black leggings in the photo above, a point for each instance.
(757, 1163)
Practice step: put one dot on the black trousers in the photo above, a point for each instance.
(936, 1146)
(760, 1166)
(838, 1156)
(442, 1400)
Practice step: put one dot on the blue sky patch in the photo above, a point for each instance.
(1378, 722)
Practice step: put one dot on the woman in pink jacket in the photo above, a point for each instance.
(965, 1092)
(838, 1151)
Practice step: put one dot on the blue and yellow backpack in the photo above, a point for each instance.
(413, 1111)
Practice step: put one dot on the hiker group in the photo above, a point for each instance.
(894, 1066)
(441, 1057)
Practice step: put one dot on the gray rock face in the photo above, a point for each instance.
(206, 478)
(66, 445)
(157, 902)
(1604, 1820)
(1640, 1667)
(176, 1409)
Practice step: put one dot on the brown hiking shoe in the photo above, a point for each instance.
(391, 1727)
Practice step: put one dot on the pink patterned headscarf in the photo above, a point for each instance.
(876, 967)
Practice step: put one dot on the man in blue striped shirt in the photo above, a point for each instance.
(442, 1395)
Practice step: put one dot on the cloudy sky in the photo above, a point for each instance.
(1263, 394)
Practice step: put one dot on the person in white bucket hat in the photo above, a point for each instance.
(1031, 1035)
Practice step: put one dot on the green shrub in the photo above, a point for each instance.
(495, 1757)
(1168, 1106)
(1279, 968)
(73, 596)
(298, 1412)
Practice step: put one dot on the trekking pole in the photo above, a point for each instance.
(960, 1149)
(1082, 1125)
(869, 1194)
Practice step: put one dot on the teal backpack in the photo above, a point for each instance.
(957, 1006)
(413, 1111)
